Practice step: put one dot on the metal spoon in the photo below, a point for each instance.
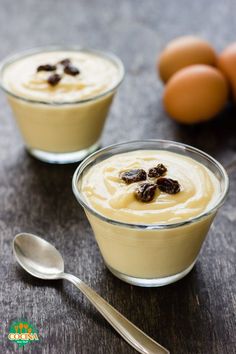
(42, 260)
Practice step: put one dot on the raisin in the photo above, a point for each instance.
(157, 171)
(145, 192)
(71, 70)
(133, 176)
(65, 62)
(46, 67)
(54, 79)
(168, 185)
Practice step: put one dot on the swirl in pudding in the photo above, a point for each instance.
(107, 193)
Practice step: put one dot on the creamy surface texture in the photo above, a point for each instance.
(110, 196)
(97, 75)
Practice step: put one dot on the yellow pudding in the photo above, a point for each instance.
(97, 75)
(61, 121)
(107, 193)
(157, 242)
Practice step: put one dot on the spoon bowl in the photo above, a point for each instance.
(37, 256)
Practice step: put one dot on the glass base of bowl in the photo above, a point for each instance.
(152, 282)
(62, 158)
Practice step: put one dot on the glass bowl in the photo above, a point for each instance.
(61, 132)
(150, 254)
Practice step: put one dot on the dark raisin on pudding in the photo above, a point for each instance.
(65, 62)
(145, 192)
(168, 185)
(133, 176)
(54, 79)
(46, 67)
(71, 70)
(157, 171)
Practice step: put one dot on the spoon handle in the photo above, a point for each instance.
(132, 334)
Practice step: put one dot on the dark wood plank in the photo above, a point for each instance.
(193, 316)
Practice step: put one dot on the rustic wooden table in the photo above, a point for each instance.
(193, 316)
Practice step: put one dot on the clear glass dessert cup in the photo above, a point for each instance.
(150, 255)
(61, 132)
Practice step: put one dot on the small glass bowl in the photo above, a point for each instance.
(150, 255)
(61, 132)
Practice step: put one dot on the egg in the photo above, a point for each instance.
(227, 64)
(195, 94)
(182, 52)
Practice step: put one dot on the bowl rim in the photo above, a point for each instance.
(160, 226)
(53, 48)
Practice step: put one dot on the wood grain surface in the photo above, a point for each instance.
(197, 314)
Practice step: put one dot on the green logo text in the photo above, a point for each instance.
(22, 332)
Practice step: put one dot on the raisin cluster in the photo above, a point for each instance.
(55, 78)
(145, 191)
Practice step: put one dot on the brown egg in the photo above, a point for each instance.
(182, 52)
(227, 64)
(195, 94)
